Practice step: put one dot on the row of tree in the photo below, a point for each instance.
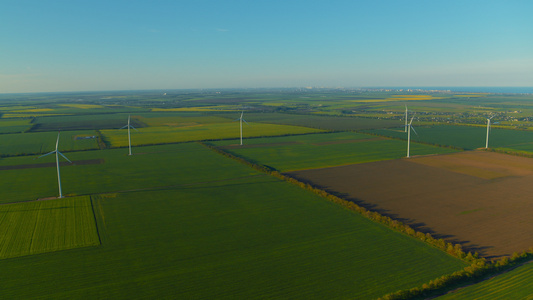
(478, 269)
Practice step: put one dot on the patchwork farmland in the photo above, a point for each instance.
(194, 214)
(207, 223)
(323, 150)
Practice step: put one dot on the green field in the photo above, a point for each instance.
(44, 142)
(197, 132)
(14, 126)
(46, 226)
(324, 150)
(178, 120)
(466, 137)
(515, 284)
(179, 220)
(80, 122)
(319, 121)
(244, 238)
(113, 170)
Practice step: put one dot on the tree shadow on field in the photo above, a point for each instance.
(416, 225)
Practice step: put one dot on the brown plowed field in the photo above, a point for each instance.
(480, 199)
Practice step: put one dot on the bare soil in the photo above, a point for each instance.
(481, 200)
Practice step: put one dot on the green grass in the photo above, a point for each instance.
(326, 150)
(46, 226)
(14, 125)
(80, 122)
(318, 121)
(154, 166)
(43, 142)
(467, 137)
(245, 238)
(182, 120)
(197, 132)
(515, 284)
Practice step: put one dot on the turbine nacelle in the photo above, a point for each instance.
(56, 151)
(241, 119)
(129, 136)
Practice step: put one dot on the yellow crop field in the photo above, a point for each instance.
(29, 115)
(202, 108)
(199, 132)
(34, 110)
(471, 95)
(82, 106)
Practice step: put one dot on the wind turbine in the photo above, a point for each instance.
(409, 127)
(129, 135)
(241, 119)
(57, 164)
(488, 130)
(405, 118)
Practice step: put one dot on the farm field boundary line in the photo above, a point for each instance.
(102, 144)
(375, 216)
(417, 142)
(490, 276)
(53, 164)
(153, 188)
(478, 269)
(216, 140)
(95, 220)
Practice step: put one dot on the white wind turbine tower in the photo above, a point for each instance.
(488, 130)
(409, 127)
(241, 119)
(405, 118)
(129, 135)
(57, 164)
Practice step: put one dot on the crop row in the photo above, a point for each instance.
(46, 226)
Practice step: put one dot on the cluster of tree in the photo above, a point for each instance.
(102, 143)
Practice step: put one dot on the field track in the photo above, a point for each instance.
(479, 199)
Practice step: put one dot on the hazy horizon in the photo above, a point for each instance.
(458, 89)
(147, 45)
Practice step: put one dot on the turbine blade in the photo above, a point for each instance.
(125, 126)
(47, 154)
(245, 121)
(414, 130)
(411, 120)
(134, 128)
(64, 157)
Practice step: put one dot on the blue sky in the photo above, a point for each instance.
(72, 45)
